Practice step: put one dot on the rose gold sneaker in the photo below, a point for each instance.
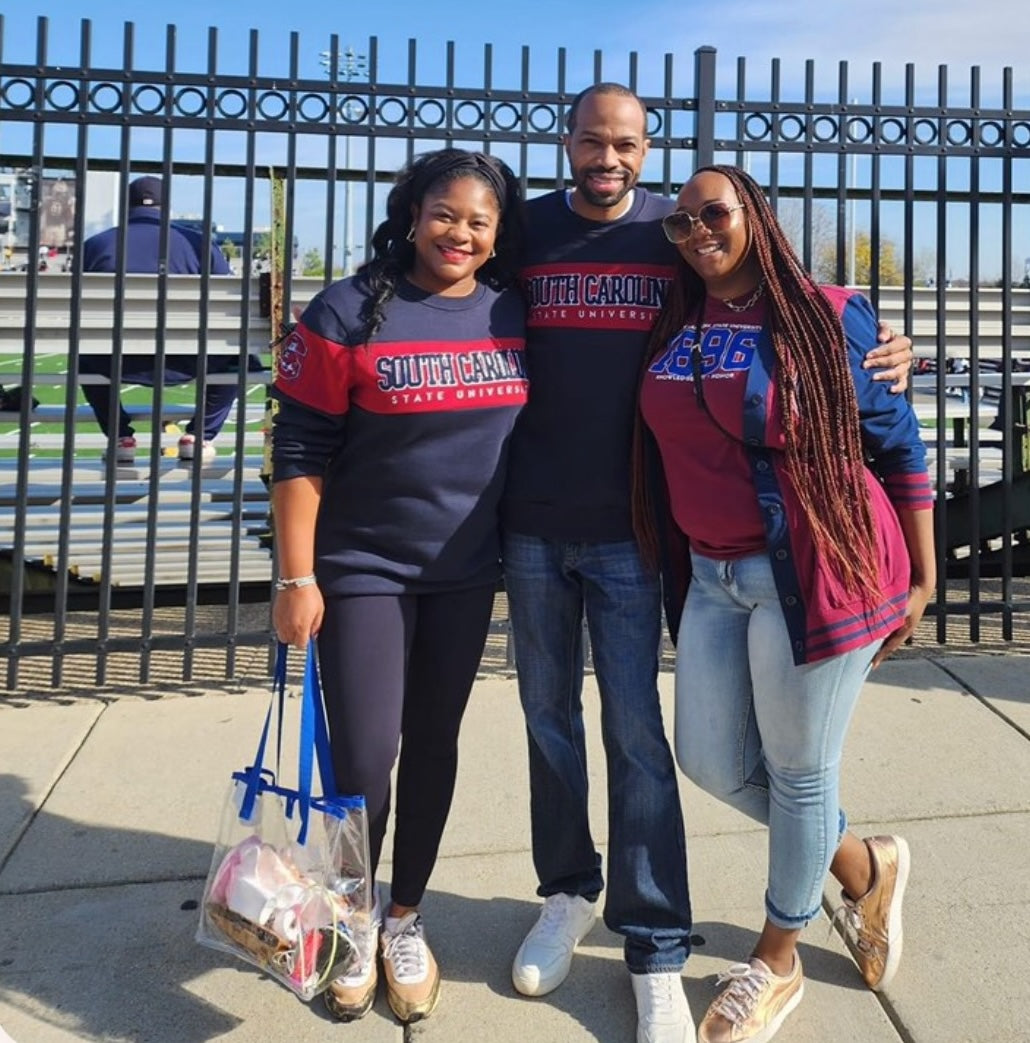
(412, 976)
(872, 923)
(753, 1005)
(351, 996)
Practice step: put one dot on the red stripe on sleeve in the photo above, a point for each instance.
(315, 372)
(912, 492)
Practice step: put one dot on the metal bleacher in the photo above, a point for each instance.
(125, 525)
(230, 507)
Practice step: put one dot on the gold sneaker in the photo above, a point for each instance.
(753, 1005)
(351, 996)
(872, 923)
(412, 976)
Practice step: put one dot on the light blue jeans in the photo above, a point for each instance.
(550, 585)
(760, 733)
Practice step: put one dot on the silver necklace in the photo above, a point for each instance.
(750, 302)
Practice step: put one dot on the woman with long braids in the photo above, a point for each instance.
(801, 487)
(398, 391)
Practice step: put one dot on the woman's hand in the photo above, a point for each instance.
(297, 614)
(918, 598)
(892, 359)
(917, 527)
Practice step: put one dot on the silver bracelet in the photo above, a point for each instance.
(300, 581)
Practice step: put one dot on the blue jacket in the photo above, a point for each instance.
(143, 243)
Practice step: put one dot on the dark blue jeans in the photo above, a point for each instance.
(138, 369)
(549, 586)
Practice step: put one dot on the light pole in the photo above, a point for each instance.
(349, 66)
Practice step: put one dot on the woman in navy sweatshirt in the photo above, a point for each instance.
(398, 390)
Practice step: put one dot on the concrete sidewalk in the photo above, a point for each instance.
(108, 810)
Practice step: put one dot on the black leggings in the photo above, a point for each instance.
(399, 669)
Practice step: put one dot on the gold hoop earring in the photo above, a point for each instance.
(411, 234)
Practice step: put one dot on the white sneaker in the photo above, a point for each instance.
(545, 956)
(188, 449)
(663, 1014)
(124, 451)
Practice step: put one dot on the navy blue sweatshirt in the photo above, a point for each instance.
(143, 241)
(594, 290)
(410, 431)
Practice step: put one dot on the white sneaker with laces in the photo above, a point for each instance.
(545, 956)
(188, 449)
(663, 1014)
(124, 451)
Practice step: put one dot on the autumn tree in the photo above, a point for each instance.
(823, 262)
(262, 246)
(791, 215)
(859, 266)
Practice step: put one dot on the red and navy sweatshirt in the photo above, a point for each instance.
(410, 432)
(593, 291)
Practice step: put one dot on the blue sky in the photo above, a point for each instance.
(991, 34)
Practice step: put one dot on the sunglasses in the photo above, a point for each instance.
(679, 225)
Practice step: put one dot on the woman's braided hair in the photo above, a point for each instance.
(393, 255)
(818, 406)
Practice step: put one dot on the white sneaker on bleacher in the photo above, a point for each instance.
(188, 449)
(124, 451)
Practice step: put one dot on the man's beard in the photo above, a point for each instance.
(606, 202)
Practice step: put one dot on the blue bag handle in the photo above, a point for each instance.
(323, 750)
(253, 775)
(314, 737)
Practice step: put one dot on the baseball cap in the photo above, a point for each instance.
(146, 191)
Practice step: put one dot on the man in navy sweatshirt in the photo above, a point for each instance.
(596, 271)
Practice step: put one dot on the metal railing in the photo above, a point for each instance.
(890, 191)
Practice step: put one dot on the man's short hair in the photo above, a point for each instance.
(601, 88)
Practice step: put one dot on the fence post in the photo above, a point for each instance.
(704, 81)
(278, 258)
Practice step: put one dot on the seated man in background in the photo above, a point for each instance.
(185, 257)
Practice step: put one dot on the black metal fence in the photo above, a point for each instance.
(891, 186)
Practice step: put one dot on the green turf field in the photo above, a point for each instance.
(48, 436)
